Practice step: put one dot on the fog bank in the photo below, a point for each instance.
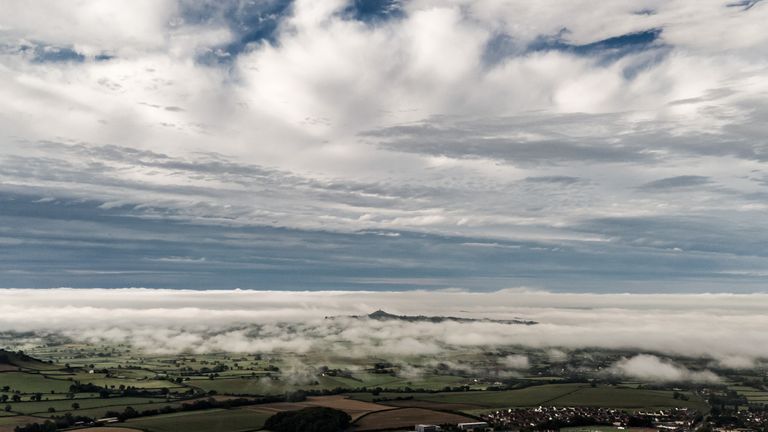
(728, 328)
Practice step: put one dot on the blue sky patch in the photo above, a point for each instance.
(744, 4)
(373, 11)
(502, 46)
(52, 54)
(608, 49)
(250, 22)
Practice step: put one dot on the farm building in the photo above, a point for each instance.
(427, 428)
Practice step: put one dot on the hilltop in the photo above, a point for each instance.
(381, 315)
(10, 360)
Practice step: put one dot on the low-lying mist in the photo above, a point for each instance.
(728, 329)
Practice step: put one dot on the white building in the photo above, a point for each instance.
(427, 428)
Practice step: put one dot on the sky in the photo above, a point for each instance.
(372, 145)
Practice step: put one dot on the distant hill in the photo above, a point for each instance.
(381, 315)
(10, 360)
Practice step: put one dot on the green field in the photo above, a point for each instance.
(15, 420)
(102, 381)
(623, 397)
(753, 395)
(265, 386)
(99, 412)
(240, 386)
(33, 383)
(529, 396)
(236, 420)
(169, 380)
(559, 395)
(66, 405)
(369, 397)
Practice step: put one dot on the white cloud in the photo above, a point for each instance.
(652, 368)
(516, 361)
(736, 362)
(319, 107)
(727, 328)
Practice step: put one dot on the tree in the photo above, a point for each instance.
(75, 405)
(128, 413)
(8, 408)
(314, 419)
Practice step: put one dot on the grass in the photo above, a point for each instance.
(240, 386)
(236, 420)
(33, 383)
(102, 381)
(66, 405)
(248, 378)
(529, 396)
(622, 397)
(10, 422)
(369, 397)
(753, 395)
(568, 395)
(263, 386)
(405, 417)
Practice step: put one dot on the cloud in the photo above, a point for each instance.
(515, 123)
(684, 181)
(563, 180)
(736, 362)
(516, 361)
(651, 368)
(556, 355)
(728, 329)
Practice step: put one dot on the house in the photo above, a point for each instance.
(427, 428)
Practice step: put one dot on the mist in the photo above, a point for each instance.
(728, 329)
(652, 368)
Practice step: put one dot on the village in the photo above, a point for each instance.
(554, 418)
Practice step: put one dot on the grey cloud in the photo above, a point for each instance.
(524, 140)
(219, 200)
(684, 181)
(743, 236)
(536, 139)
(562, 180)
(116, 246)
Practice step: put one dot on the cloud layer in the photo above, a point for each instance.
(614, 146)
(728, 329)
